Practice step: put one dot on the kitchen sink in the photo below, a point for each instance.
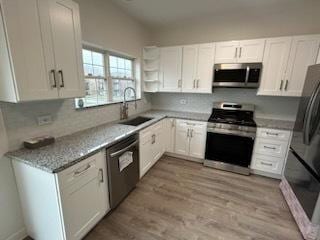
(136, 121)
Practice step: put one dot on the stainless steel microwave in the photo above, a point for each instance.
(239, 75)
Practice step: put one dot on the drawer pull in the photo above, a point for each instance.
(266, 164)
(78, 172)
(101, 179)
(272, 148)
(272, 134)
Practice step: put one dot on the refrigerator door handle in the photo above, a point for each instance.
(308, 114)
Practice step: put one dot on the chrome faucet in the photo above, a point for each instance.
(124, 105)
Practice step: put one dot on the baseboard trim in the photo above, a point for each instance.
(19, 235)
(266, 174)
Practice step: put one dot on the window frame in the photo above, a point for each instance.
(108, 78)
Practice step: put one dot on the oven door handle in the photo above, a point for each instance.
(231, 132)
(124, 149)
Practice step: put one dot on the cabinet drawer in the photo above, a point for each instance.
(267, 164)
(271, 147)
(191, 123)
(280, 135)
(82, 171)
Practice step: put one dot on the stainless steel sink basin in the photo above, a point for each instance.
(136, 121)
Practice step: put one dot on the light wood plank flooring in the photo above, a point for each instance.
(178, 199)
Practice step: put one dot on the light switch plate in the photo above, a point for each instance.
(44, 120)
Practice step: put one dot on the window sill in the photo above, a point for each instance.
(104, 104)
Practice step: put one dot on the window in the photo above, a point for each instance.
(98, 65)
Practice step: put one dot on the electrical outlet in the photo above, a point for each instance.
(44, 120)
(183, 101)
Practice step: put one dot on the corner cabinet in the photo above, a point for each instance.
(64, 205)
(40, 50)
(285, 64)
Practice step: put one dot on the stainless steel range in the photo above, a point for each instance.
(231, 133)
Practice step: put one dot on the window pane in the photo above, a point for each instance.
(128, 64)
(97, 58)
(118, 89)
(113, 62)
(120, 63)
(87, 58)
(98, 71)
(102, 91)
(88, 69)
(128, 74)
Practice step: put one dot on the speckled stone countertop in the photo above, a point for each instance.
(275, 124)
(71, 149)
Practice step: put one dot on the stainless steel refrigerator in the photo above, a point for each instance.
(302, 170)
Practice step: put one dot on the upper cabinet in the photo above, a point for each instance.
(170, 69)
(285, 64)
(248, 51)
(40, 50)
(197, 68)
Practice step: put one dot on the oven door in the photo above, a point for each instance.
(229, 148)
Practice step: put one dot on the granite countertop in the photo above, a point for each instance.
(274, 123)
(71, 149)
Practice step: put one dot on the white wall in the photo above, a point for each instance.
(103, 25)
(285, 19)
(284, 108)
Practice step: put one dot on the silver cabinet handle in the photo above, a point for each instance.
(153, 141)
(286, 86)
(191, 133)
(236, 53)
(101, 178)
(240, 52)
(188, 133)
(194, 83)
(266, 164)
(61, 78)
(272, 148)
(198, 83)
(53, 74)
(272, 134)
(78, 172)
(281, 85)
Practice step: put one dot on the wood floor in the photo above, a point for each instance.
(178, 199)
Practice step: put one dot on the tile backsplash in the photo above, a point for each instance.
(21, 119)
(284, 108)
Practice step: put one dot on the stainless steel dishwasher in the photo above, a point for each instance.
(122, 180)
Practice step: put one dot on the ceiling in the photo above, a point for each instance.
(166, 13)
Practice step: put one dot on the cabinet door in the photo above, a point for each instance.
(227, 52)
(251, 51)
(303, 54)
(145, 152)
(171, 64)
(275, 61)
(84, 196)
(189, 68)
(182, 139)
(66, 32)
(198, 137)
(205, 68)
(31, 66)
(170, 134)
(158, 145)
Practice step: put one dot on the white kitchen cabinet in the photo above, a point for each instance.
(285, 64)
(303, 53)
(247, 51)
(270, 152)
(170, 69)
(66, 205)
(152, 146)
(190, 138)
(170, 134)
(197, 68)
(41, 50)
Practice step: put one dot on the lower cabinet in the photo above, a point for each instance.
(66, 205)
(170, 134)
(270, 151)
(190, 138)
(152, 146)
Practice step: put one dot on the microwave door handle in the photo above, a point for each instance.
(308, 115)
(247, 75)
